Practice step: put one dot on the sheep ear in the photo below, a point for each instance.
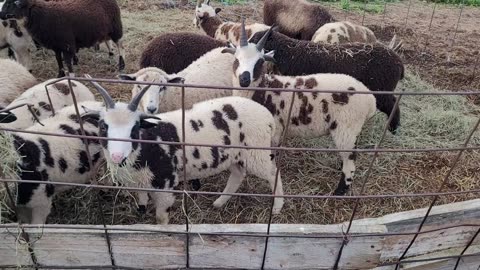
(90, 115)
(7, 117)
(217, 10)
(145, 124)
(229, 50)
(176, 79)
(269, 56)
(20, 3)
(127, 77)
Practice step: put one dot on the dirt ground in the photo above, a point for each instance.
(426, 52)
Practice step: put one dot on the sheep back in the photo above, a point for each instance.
(344, 32)
(15, 79)
(174, 52)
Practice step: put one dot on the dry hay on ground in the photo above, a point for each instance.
(426, 122)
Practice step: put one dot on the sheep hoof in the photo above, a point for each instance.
(218, 203)
(142, 209)
(61, 74)
(341, 191)
(121, 64)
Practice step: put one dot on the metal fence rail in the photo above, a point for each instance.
(357, 199)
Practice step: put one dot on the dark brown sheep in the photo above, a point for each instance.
(174, 52)
(376, 66)
(68, 25)
(296, 18)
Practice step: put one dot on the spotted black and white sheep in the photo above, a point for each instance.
(376, 66)
(15, 79)
(49, 158)
(60, 96)
(213, 68)
(314, 114)
(296, 18)
(15, 38)
(68, 25)
(207, 19)
(163, 51)
(224, 121)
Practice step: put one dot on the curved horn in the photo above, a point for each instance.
(243, 35)
(136, 99)
(106, 97)
(263, 40)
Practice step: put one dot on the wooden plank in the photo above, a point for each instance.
(466, 263)
(13, 252)
(64, 247)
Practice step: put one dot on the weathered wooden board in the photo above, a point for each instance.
(13, 252)
(136, 246)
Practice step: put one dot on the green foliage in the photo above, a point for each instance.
(458, 2)
(371, 6)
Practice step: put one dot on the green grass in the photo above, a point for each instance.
(370, 6)
(475, 3)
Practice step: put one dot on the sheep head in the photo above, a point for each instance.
(249, 59)
(204, 11)
(120, 121)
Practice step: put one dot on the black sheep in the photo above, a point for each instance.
(376, 66)
(174, 52)
(296, 18)
(68, 25)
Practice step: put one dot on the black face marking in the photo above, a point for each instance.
(242, 136)
(230, 112)
(194, 125)
(196, 153)
(342, 187)
(226, 140)
(240, 124)
(333, 125)
(327, 118)
(62, 163)
(49, 161)
(236, 63)
(219, 122)
(257, 69)
(135, 134)
(103, 130)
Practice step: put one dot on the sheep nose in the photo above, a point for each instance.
(244, 79)
(151, 110)
(117, 158)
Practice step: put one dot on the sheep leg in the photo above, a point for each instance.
(237, 174)
(142, 202)
(121, 53)
(385, 104)
(163, 202)
(58, 56)
(270, 176)
(345, 139)
(109, 47)
(69, 60)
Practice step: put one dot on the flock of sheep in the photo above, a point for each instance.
(300, 47)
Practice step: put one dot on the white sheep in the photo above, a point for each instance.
(313, 114)
(207, 19)
(51, 158)
(60, 96)
(223, 121)
(15, 79)
(344, 32)
(213, 68)
(14, 36)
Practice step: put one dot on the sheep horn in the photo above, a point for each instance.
(136, 99)
(243, 36)
(106, 97)
(263, 40)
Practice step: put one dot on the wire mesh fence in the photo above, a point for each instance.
(376, 151)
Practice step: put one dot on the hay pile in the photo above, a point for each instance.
(427, 122)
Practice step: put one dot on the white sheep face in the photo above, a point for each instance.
(151, 100)
(119, 123)
(248, 64)
(203, 11)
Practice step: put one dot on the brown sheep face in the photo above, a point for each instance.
(203, 12)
